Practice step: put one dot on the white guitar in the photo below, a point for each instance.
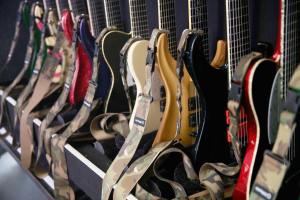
(136, 62)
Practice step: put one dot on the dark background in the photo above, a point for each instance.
(263, 26)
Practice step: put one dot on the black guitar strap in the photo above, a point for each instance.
(275, 163)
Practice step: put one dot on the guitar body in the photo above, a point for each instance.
(82, 75)
(291, 183)
(87, 39)
(136, 60)
(167, 68)
(211, 84)
(112, 44)
(258, 84)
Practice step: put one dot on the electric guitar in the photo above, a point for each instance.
(83, 69)
(289, 59)
(166, 51)
(97, 24)
(255, 99)
(136, 60)
(211, 130)
(111, 44)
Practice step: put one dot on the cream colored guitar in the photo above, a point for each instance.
(136, 62)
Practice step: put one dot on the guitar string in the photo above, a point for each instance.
(139, 18)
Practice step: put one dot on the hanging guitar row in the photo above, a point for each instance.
(175, 124)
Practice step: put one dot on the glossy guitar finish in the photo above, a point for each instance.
(167, 68)
(82, 74)
(255, 102)
(112, 44)
(86, 38)
(211, 85)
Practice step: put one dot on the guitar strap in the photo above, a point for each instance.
(28, 58)
(139, 167)
(62, 99)
(21, 21)
(48, 41)
(59, 165)
(43, 86)
(45, 132)
(131, 143)
(275, 164)
(123, 67)
(216, 176)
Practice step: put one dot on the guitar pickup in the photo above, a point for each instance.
(193, 120)
(192, 103)
(162, 92)
(162, 105)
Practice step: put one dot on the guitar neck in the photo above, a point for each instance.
(238, 35)
(290, 44)
(198, 20)
(113, 13)
(96, 16)
(78, 7)
(139, 18)
(167, 21)
(49, 4)
(60, 6)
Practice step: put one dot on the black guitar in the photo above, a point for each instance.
(211, 85)
(112, 44)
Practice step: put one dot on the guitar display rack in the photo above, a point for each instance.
(83, 158)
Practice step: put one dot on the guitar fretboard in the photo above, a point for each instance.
(238, 35)
(198, 20)
(97, 16)
(113, 13)
(78, 7)
(61, 5)
(49, 4)
(290, 44)
(167, 21)
(139, 18)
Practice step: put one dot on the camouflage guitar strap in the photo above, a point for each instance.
(62, 99)
(275, 163)
(138, 168)
(216, 176)
(123, 67)
(46, 43)
(23, 6)
(131, 143)
(45, 132)
(28, 57)
(43, 86)
(59, 165)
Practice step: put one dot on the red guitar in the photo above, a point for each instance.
(254, 88)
